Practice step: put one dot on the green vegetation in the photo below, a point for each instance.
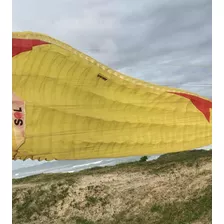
(79, 220)
(189, 211)
(143, 159)
(46, 178)
(174, 189)
(173, 213)
(38, 200)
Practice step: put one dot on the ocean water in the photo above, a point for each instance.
(28, 168)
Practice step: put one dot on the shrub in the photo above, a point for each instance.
(143, 159)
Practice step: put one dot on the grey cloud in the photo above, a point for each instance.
(165, 42)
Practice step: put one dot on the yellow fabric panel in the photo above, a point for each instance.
(77, 108)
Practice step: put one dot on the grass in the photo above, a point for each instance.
(172, 213)
(43, 197)
(80, 220)
(46, 178)
(186, 212)
(39, 200)
(91, 200)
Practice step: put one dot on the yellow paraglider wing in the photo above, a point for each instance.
(18, 123)
(77, 108)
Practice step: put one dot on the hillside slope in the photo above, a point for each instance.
(174, 189)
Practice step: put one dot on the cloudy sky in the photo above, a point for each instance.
(162, 41)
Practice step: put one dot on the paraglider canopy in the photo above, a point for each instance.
(66, 105)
